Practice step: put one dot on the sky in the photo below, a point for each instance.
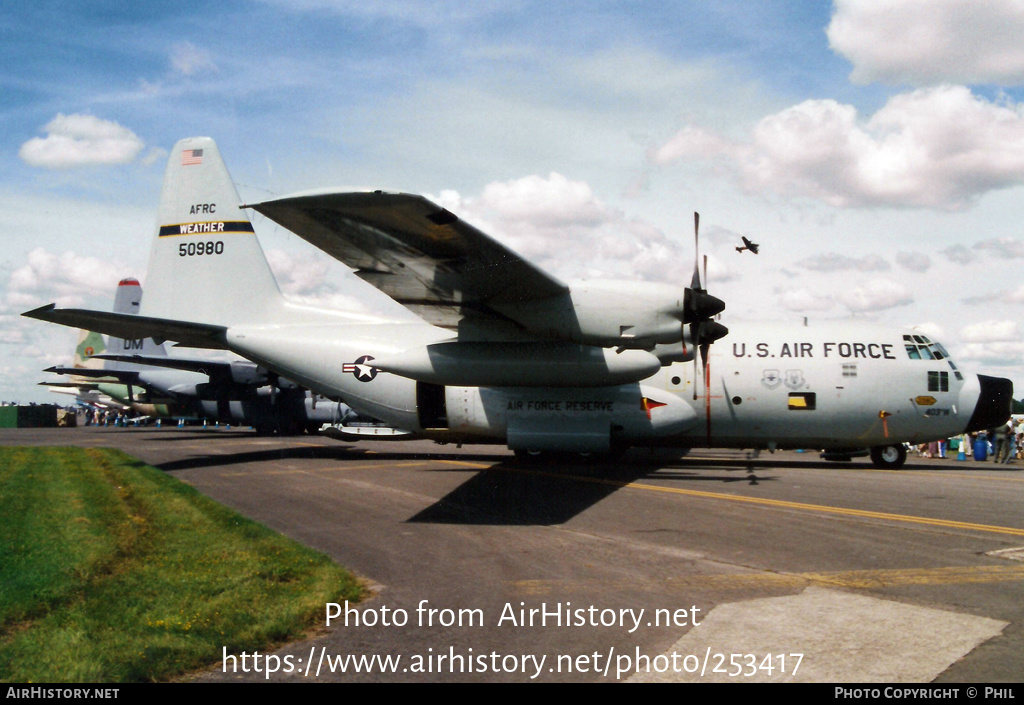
(874, 149)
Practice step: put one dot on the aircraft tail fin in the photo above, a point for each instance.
(206, 265)
(89, 344)
(128, 299)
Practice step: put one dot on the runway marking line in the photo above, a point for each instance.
(344, 466)
(946, 473)
(785, 504)
(851, 579)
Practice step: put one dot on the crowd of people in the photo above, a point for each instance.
(105, 417)
(1003, 444)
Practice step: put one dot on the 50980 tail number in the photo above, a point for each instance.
(196, 249)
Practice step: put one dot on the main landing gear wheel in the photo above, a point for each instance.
(531, 457)
(889, 457)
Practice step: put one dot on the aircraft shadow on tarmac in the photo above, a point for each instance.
(508, 492)
(257, 456)
(340, 453)
(512, 493)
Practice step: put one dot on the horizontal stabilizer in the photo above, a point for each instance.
(67, 385)
(96, 375)
(219, 372)
(207, 367)
(134, 327)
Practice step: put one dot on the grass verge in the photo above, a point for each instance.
(112, 571)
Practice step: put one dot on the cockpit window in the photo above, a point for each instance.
(920, 348)
(956, 372)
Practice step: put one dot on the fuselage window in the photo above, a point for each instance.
(938, 381)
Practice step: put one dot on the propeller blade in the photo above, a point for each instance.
(695, 378)
(707, 391)
(695, 282)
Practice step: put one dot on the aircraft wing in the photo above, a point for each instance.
(418, 253)
(132, 326)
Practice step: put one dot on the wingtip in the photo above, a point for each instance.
(37, 312)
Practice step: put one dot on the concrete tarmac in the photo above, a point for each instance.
(707, 568)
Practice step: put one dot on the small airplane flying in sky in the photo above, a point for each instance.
(507, 353)
(748, 245)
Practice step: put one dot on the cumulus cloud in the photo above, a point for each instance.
(546, 202)
(959, 254)
(938, 148)
(189, 60)
(1002, 247)
(1006, 354)
(560, 225)
(926, 42)
(689, 142)
(876, 295)
(834, 262)
(1016, 296)
(306, 279)
(933, 330)
(298, 275)
(991, 332)
(993, 342)
(81, 140)
(68, 279)
(804, 299)
(914, 261)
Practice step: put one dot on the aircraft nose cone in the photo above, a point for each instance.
(993, 407)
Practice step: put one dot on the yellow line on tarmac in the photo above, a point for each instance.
(945, 473)
(341, 466)
(481, 466)
(850, 579)
(785, 504)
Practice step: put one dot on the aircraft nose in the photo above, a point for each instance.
(993, 406)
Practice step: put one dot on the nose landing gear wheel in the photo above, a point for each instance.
(889, 457)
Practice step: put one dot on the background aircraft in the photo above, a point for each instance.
(138, 373)
(748, 245)
(509, 353)
(97, 386)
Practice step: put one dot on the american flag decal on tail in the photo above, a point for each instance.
(190, 157)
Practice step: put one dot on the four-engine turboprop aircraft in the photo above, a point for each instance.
(508, 353)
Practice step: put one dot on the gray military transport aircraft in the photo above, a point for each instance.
(507, 353)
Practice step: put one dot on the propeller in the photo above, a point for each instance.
(701, 308)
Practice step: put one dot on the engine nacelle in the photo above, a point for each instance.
(244, 372)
